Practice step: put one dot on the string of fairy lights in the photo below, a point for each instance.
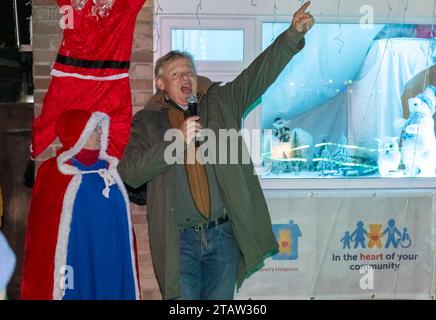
(361, 130)
(156, 30)
(199, 7)
(338, 37)
(431, 47)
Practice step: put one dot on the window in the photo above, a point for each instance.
(341, 108)
(207, 44)
(221, 47)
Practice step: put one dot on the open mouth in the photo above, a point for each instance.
(186, 89)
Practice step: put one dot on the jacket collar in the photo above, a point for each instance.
(159, 103)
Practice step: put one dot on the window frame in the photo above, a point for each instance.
(217, 70)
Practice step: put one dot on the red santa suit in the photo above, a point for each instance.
(72, 201)
(91, 70)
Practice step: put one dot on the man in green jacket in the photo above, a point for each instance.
(209, 225)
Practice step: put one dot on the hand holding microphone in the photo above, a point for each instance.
(192, 102)
(191, 126)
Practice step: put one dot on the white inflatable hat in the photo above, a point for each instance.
(7, 262)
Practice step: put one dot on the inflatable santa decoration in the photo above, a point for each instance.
(91, 70)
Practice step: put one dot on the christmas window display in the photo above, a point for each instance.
(358, 101)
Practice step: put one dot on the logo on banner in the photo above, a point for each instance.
(287, 238)
(376, 236)
(384, 239)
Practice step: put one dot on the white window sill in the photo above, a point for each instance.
(339, 184)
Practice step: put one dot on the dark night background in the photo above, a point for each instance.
(15, 64)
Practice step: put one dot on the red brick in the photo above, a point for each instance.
(39, 95)
(141, 245)
(138, 219)
(55, 42)
(147, 15)
(141, 98)
(133, 207)
(142, 42)
(143, 253)
(145, 28)
(45, 14)
(137, 209)
(41, 70)
(37, 108)
(141, 84)
(41, 42)
(141, 233)
(151, 294)
(148, 276)
(137, 109)
(36, 3)
(142, 55)
(142, 70)
(42, 28)
(47, 42)
(46, 154)
(148, 4)
(44, 56)
(41, 82)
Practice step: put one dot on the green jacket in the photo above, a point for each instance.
(220, 107)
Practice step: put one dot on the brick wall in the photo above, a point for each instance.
(46, 39)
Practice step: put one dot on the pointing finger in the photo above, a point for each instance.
(303, 8)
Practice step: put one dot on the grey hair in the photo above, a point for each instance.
(171, 56)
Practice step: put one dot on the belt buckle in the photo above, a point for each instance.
(201, 227)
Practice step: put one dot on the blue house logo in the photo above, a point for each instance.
(287, 238)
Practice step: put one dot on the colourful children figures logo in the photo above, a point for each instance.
(375, 236)
(287, 238)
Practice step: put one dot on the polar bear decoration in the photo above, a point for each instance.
(418, 151)
(389, 156)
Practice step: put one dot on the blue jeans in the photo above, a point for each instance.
(208, 262)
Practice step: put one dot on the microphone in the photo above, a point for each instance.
(192, 110)
(192, 106)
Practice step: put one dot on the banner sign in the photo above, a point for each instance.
(358, 246)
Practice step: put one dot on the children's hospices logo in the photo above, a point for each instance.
(287, 238)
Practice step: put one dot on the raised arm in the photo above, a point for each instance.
(265, 69)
